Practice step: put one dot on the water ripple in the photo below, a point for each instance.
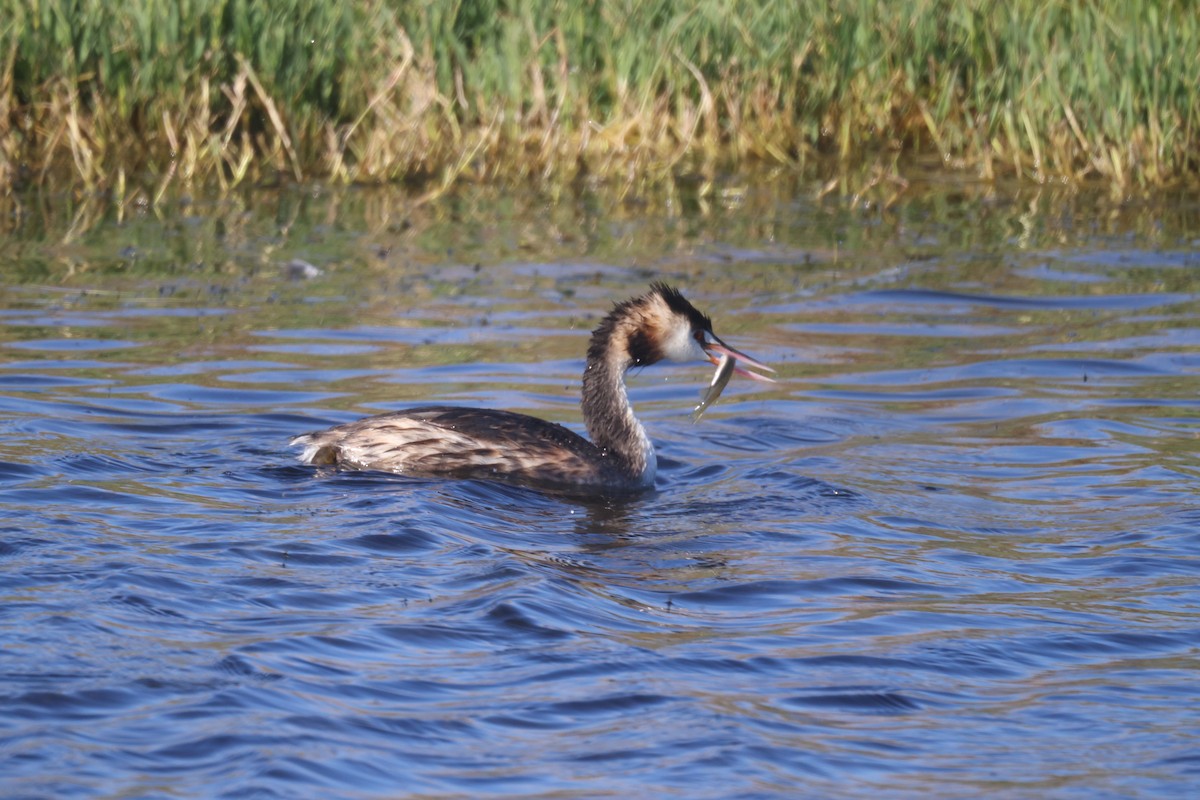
(953, 552)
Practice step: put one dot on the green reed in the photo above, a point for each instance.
(221, 91)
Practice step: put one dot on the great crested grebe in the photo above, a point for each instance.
(449, 441)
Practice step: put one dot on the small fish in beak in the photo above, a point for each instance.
(720, 348)
(727, 365)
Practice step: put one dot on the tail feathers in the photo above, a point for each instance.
(316, 451)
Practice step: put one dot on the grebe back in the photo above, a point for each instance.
(449, 441)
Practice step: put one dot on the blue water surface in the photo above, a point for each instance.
(954, 552)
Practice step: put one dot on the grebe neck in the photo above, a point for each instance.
(607, 412)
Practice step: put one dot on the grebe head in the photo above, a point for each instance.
(657, 325)
(666, 325)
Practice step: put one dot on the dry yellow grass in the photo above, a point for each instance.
(137, 97)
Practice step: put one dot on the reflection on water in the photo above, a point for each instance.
(954, 551)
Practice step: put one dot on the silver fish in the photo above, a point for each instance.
(720, 379)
